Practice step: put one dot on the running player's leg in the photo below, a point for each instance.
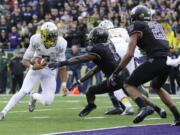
(48, 85)
(165, 97)
(90, 96)
(30, 79)
(142, 74)
(124, 100)
(103, 87)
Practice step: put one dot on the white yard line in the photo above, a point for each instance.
(41, 110)
(71, 101)
(38, 110)
(89, 118)
(44, 117)
(173, 97)
(99, 129)
(152, 119)
(26, 102)
(21, 102)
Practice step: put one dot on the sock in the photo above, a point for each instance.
(119, 94)
(122, 105)
(140, 102)
(114, 100)
(13, 101)
(122, 97)
(175, 112)
(126, 102)
(156, 108)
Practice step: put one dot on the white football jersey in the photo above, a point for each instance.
(37, 48)
(120, 39)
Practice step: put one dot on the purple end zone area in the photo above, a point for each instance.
(140, 130)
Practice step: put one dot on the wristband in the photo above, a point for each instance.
(64, 63)
(63, 84)
(79, 81)
(31, 66)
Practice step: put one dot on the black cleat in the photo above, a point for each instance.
(89, 108)
(114, 111)
(176, 123)
(145, 111)
(162, 113)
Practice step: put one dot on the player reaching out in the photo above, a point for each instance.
(102, 52)
(45, 45)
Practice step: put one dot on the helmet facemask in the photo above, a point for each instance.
(49, 38)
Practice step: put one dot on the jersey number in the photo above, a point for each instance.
(158, 32)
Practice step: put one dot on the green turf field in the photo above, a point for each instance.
(62, 116)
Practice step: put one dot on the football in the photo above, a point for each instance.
(38, 60)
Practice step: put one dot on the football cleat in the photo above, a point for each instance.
(162, 113)
(2, 116)
(145, 111)
(32, 104)
(114, 111)
(89, 108)
(128, 111)
(176, 123)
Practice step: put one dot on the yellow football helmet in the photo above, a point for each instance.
(49, 34)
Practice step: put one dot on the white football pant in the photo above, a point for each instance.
(47, 78)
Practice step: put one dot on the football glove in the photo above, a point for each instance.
(112, 80)
(78, 83)
(54, 65)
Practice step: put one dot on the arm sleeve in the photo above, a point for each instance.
(30, 50)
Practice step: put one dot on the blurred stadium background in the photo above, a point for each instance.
(20, 19)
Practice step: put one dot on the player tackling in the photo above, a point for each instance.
(44, 47)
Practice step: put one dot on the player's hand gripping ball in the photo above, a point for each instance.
(38, 63)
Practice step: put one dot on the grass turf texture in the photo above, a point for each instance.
(62, 116)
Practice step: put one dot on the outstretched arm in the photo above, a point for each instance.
(74, 60)
(90, 73)
(81, 59)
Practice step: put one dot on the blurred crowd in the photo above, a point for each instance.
(22, 18)
(19, 19)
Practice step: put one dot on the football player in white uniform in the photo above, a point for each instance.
(120, 38)
(46, 44)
